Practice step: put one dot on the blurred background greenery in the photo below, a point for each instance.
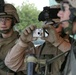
(28, 14)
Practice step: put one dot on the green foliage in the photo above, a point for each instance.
(28, 15)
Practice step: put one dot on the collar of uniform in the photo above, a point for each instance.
(14, 36)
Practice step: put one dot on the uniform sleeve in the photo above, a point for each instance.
(15, 58)
(64, 46)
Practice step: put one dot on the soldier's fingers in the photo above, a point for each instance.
(26, 32)
(29, 29)
(32, 27)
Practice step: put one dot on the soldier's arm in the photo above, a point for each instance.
(55, 39)
(15, 57)
(64, 45)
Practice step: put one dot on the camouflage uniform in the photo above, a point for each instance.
(6, 44)
(69, 65)
(15, 60)
(49, 51)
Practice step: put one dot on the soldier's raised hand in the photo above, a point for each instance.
(27, 34)
(53, 37)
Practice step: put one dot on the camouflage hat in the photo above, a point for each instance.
(10, 10)
(72, 3)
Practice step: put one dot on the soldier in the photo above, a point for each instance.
(54, 45)
(67, 16)
(8, 36)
